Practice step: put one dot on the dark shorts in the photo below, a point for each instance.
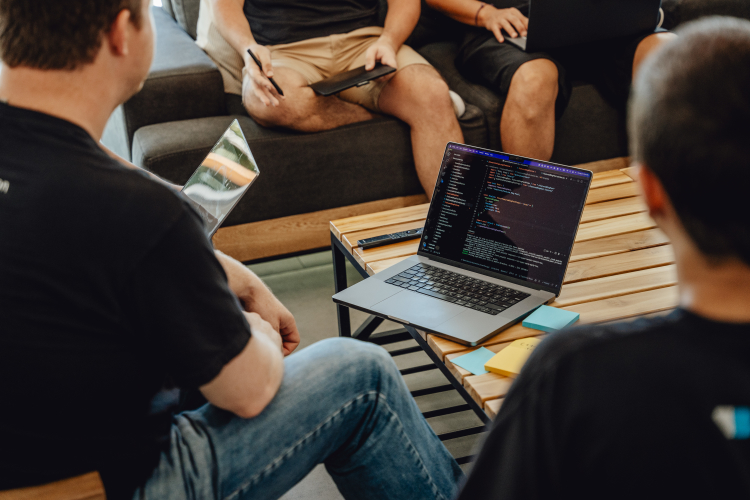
(608, 64)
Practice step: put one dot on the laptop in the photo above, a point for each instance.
(222, 178)
(556, 23)
(495, 246)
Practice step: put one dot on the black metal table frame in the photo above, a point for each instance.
(365, 333)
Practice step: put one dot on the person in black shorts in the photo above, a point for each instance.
(537, 86)
(659, 407)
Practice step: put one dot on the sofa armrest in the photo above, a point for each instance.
(183, 83)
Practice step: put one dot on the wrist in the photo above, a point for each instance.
(388, 40)
(483, 13)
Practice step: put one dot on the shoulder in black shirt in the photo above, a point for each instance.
(109, 292)
(624, 411)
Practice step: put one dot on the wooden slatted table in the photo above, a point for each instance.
(621, 266)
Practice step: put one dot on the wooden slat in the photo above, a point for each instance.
(490, 386)
(611, 309)
(610, 178)
(614, 208)
(493, 407)
(350, 239)
(618, 264)
(616, 225)
(612, 193)
(295, 233)
(380, 218)
(619, 284)
(630, 172)
(86, 487)
(404, 248)
(606, 165)
(622, 243)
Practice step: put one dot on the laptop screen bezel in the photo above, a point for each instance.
(481, 270)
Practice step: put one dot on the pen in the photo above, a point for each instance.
(278, 89)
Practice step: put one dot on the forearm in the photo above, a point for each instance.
(400, 22)
(126, 163)
(242, 281)
(232, 24)
(463, 11)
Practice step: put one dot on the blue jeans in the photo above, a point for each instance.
(342, 403)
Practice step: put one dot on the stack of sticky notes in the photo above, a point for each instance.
(474, 361)
(510, 360)
(548, 319)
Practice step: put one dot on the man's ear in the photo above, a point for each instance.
(653, 191)
(118, 35)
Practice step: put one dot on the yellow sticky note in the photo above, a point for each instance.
(510, 360)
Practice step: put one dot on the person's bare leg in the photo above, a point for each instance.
(302, 109)
(419, 96)
(648, 45)
(527, 126)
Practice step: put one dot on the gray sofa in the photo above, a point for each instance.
(308, 179)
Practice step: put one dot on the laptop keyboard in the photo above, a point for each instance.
(461, 290)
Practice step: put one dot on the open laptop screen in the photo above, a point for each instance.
(506, 214)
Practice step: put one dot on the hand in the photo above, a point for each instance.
(511, 20)
(260, 326)
(257, 298)
(263, 302)
(259, 79)
(381, 51)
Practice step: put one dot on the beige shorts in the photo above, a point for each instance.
(319, 58)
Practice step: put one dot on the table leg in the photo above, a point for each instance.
(340, 283)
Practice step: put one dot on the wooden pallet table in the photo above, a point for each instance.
(621, 267)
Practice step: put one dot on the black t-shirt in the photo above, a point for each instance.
(109, 293)
(625, 411)
(275, 22)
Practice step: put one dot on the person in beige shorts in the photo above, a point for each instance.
(276, 33)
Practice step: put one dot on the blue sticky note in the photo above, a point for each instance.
(474, 361)
(548, 319)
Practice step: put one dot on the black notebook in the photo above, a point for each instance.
(354, 78)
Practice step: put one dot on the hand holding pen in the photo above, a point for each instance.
(264, 86)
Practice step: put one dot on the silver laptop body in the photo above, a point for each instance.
(502, 227)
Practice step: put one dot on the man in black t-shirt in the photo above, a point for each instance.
(112, 300)
(300, 42)
(536, 86)
(655, 408)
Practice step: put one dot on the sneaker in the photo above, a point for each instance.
(459, 107)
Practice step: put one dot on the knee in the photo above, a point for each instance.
(433, 94)
(534, 86)
(356, 359)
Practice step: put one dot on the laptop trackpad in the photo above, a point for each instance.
(418, 309)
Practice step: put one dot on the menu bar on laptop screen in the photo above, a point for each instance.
(507, 214)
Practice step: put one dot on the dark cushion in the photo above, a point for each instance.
(183, 83)
(185, 12)
(300, 173)
(682, 11)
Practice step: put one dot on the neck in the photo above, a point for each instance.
(715, 290)
(79, 96)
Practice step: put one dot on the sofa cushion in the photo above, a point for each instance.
(682, 11)
(300, 173)
(185, 12)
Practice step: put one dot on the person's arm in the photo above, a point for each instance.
(126, 163)
(400, 21)
(232, 24)
(256, 297)
(476, 13)
(251, 379)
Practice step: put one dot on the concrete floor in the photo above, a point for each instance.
(305, 285)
